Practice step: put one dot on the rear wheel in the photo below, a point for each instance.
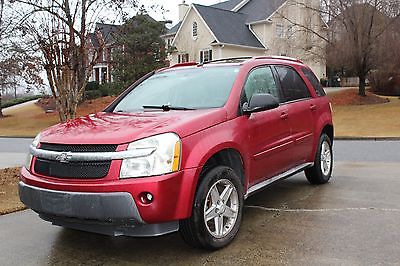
(321, 172)
(217, 210)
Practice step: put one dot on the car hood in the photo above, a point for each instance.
(115, 128)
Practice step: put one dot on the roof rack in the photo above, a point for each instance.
(279, 58)
(184, 64)
(227, 60)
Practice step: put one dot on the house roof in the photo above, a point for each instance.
(174, 29)
(228, 27)
(227, 5)
(107, 31)
(258, 10)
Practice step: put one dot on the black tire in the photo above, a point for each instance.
(317, 175)
(194, 230)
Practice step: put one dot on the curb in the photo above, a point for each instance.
(17, 137)
(368, 138)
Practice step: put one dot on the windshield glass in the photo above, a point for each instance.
(194, 88)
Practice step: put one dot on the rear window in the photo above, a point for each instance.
(319, 90)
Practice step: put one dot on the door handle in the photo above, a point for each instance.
(313, 107)
(284, 115)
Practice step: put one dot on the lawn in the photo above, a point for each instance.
(377, 120)
(372, 116)
(29, 120)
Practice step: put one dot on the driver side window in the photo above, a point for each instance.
(260, 81)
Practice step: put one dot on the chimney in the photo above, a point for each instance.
(183, 9)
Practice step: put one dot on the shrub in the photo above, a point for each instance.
(13, 102)
(92, 86)
(92, 94)
(387, 84)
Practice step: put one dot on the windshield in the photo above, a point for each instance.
(184, 89)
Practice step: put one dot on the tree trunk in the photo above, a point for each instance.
(1, 109)
(361, 86)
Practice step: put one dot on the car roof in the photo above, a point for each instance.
(237, 61)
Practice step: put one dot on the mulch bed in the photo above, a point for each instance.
(351, 97)
(9, 199)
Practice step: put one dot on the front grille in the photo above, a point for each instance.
(78, 148)
(74, 170)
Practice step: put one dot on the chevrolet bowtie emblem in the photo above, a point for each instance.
(64, 157)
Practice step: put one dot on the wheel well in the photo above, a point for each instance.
(328, 130)
(227, 157)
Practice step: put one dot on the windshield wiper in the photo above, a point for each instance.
(166, 107)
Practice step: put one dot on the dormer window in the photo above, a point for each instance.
(194, 30)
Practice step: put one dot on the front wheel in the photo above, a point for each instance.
(321, 172)
(217, 210)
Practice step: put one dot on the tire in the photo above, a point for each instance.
(321, 172)
(217, 209)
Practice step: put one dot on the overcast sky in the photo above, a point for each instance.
(172, 6)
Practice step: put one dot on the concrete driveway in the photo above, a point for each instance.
(353, 220)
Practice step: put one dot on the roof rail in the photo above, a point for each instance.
(184, 64)
(226, 60)
(279, 58)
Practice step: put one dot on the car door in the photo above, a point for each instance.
(300, 106)
(268, 131)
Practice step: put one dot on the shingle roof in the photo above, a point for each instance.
(255, 9)
(228, 27)
(260, 9)
(174, 29)
(108, 31)
(227, 5)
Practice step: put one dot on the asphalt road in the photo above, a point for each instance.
(13, 151)
(353, 220)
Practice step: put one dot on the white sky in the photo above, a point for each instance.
(172, 7)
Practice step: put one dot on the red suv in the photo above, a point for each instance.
(181, 149)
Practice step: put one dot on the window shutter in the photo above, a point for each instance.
(201, 56)
(210, 55)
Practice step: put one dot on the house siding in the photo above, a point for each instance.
(185, 43)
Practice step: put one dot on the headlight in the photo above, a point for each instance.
(165, 159)
(29, 156)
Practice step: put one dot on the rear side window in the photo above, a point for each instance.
(293, 86)
(261, 80)
(314, 81)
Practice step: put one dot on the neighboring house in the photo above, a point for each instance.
(103, 41)
(249, 28)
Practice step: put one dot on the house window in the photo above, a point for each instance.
(280, 31)
(205, 56)
(183, 58)
(290, 31)
(194, 30)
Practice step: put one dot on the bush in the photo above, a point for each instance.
(112, 88)
(92, 86)
(92, 94)
(13, 102)
(387, 84)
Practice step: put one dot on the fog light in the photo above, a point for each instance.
(146, 197)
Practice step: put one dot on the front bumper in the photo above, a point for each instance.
(105, 213)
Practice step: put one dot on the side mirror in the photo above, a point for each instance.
(260, 102)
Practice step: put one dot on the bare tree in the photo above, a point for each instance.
(61, 31)
(355, 31)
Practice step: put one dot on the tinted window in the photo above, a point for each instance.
(194, 88)
(260, 80)
(314, 82)
(293, 86)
